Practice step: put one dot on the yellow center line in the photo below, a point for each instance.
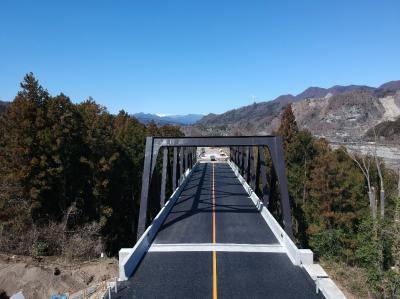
(213, 203)
(215, 293)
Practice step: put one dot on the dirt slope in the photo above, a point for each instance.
(36, 278)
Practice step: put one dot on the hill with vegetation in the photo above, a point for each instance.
(387, 131)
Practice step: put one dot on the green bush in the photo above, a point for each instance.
(40, 248)
(327, 243)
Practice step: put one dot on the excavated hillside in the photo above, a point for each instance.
(339, 113)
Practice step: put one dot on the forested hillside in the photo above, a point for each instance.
(70, 175)
(346, 209)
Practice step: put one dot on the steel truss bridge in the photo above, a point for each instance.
(214, 236)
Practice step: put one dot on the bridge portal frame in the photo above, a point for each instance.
(184, 156)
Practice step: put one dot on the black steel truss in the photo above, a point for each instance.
(253, 169)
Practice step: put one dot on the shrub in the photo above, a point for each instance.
(327, 243)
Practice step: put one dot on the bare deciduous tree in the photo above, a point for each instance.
(398, 184)
(364, 161)
(364, 164)
(378, 167)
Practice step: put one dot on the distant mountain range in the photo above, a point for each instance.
(188, 119)
(145, 118)
(337, 113)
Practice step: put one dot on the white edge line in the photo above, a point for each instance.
(209, 247)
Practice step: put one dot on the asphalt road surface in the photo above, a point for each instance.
(214, 209)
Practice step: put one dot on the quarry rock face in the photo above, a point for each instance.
(346, 117)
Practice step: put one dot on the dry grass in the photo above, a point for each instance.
(54, 240)
(351, 280)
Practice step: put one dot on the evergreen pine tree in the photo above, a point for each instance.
(288, 127)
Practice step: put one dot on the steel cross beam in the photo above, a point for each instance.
(245, 159)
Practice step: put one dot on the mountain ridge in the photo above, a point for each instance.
(333, 112)
(187, 119)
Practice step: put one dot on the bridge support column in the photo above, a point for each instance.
(257, 172)
(252, 169)
(174, 168)
(237, 156)
(263, 172)
(146, 177)
(181, 150)
(241, 161)
(279, 167)
(164, 176)
(248, 164)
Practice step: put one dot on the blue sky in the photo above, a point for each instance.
(188, 56)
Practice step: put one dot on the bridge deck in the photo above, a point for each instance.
(214, 243)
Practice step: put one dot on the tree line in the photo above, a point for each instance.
(335, 196)
(70, 175)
